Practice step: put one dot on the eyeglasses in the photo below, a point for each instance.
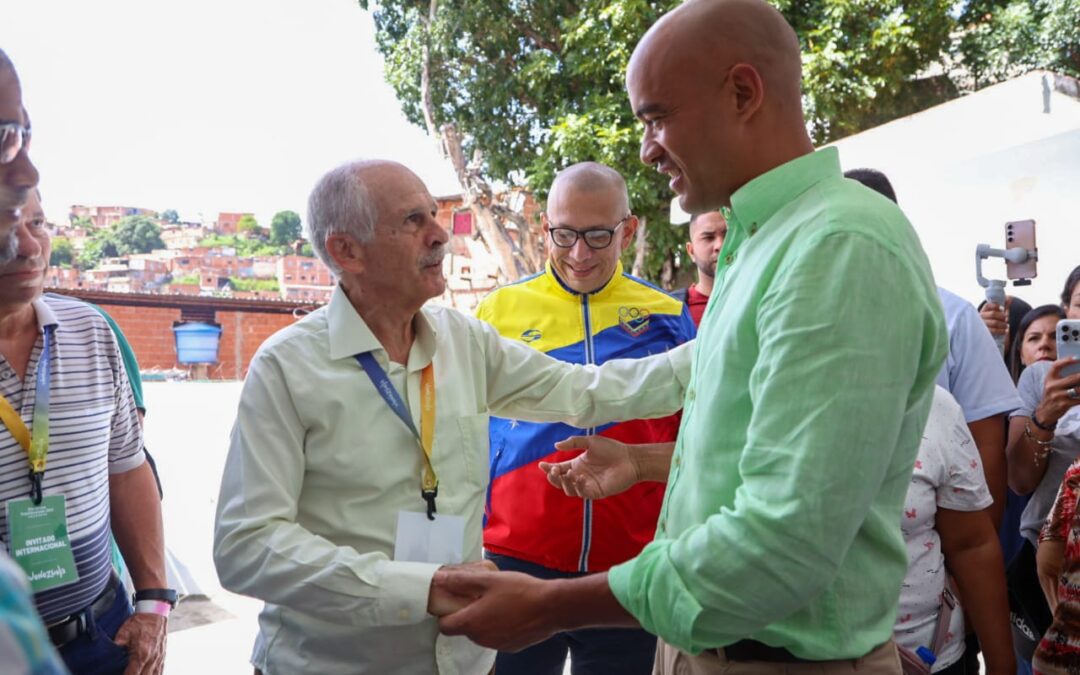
(595, 237)
(13, 138)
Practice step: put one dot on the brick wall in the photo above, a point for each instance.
(149, 330)
(147, 321)
(241, 335)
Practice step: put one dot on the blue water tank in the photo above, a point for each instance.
(197, 342)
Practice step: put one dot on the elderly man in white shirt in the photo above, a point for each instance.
(359, 458)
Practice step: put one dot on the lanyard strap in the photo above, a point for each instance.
(35, 443)
(429, 484)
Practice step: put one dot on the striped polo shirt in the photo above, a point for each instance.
(93, 431)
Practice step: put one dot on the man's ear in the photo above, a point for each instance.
(628, 231)
(749, 89)
(346, 252)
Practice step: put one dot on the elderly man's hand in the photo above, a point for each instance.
(442, 602)
(606, 468)
(143, 635)
(510, 610)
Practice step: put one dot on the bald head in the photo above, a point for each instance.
(700, 39)
(591, 177)
(717, 84)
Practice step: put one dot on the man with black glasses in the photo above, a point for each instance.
(583, 308)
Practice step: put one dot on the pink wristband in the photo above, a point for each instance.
(152, 607)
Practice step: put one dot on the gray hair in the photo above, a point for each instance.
(340, 204)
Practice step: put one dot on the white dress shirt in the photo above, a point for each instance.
(319, 468)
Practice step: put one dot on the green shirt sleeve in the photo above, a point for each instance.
(830, 393)
(131, 364)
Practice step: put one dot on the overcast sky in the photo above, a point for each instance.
(204, 105)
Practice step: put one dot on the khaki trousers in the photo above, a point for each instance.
(671, 661)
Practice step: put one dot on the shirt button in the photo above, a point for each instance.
(6, 374)
(730, 258)
(753, 229)
(663, 524)
(690, 394)
(678, 460)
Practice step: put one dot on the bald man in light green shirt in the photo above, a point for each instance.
(779, 539)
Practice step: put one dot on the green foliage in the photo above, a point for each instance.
(1005, 38)
(82, 221)
(98, 246)
(245, 246)
(136, 234)
(170, 216)
(536, 86)
(248, 225)
(63, 253)
(254, 284)
(307, 251)
(861, 60)
(188, 279)
(285, 228)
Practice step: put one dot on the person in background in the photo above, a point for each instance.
(948, 531)
(1058, 562)
(1044, 439)
(25, 648)
(1036, 338)
(707, 231)
(18, 177)
(88, 475)
(583, 308)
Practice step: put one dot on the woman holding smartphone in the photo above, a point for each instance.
(1044, 439)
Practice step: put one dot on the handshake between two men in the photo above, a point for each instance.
(509, 611)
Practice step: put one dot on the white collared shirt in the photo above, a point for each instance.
(319, 468)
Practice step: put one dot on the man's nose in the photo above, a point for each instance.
(650, 152)
(580, 250)
(21, 172)
(439, 234)
(29, 246)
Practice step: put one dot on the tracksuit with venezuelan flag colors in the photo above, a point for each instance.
(528, 519)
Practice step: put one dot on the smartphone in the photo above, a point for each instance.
(1068, 344)
(1021, 234)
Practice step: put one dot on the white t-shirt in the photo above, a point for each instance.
(948, 474)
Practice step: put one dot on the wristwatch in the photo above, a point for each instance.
(163, 594)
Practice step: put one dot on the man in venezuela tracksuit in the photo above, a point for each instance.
(582, 309)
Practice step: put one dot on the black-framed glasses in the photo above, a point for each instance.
(13, 138)
(595, 237)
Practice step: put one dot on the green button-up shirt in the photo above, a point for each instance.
(812, 380)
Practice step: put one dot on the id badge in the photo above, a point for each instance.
(429, 541)
(38, 541)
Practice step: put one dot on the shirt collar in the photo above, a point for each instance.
(349, 335)
(44, 313)
(756, 202)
